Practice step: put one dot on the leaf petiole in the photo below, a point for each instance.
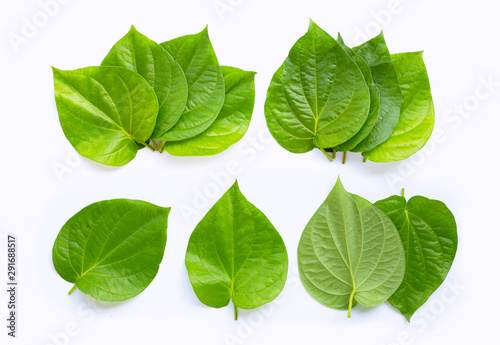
(344, 157)
(72, 290)
(403, 192)
(148, 146)
(235, 312)
(351, 298)
(327, 155)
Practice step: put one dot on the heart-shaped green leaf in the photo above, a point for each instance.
(350, 252)
(350, 144)
(231, 123)
(416, 121)
(236, 253)
(144, 56)
(112, 249)
(196, 56)
(318, 97)
(429, 234)
(105, 112)
(377, 56)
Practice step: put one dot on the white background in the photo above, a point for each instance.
(458, 166)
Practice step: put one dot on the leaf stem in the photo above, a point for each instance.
(351, 298)
(148, 146)
(403, 192)
(72, 289)
(154, 144)
(344, 157)
(327, 155)
(334, 154)
(162, 146)
(364, 159)
(235, 312)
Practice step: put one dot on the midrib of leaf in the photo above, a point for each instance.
(330, 91)
(338, 249)
(104, 117)
(220, 260)
(94, 125)
(346, 107)
(327, 268)
(246, 259)
(118, 245)
(206, 269)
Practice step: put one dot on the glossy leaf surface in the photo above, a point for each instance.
(319, 97)
(429, 234)
(236, 253)
(417, 111)
(196, 56)
(373, 113)
(146, 57)
(232, 122)
(112, 249)
(377, 56)
(105, 112)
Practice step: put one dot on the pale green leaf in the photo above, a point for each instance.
(105, 112)
(350, 252)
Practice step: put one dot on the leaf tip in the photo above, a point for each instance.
(313, 25)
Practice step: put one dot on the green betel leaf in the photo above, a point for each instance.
(429, 234)
(318, 97)
(417, 111)
(231, 123)
(138, 53)
(377, 56)
(112, 249)
(350, 252)
(196, 56)
(236, 253)
(374, 100)
(105, 112)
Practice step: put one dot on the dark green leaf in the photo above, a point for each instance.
(429, 234)
(144, 56)
(112, 249)
(231, 123)
(236, 253)
(105, 112)
(374, 101)
(377, 56)
(196, 56)
(350, 252)
(319, 96)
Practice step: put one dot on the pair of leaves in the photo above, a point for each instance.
(354, 252)
(364, 99)
(112, 249)
(178, 86)
(350, 252)
(236, 253)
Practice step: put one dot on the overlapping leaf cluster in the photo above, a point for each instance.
(172, 97)
(352, 251)
(364, 99)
